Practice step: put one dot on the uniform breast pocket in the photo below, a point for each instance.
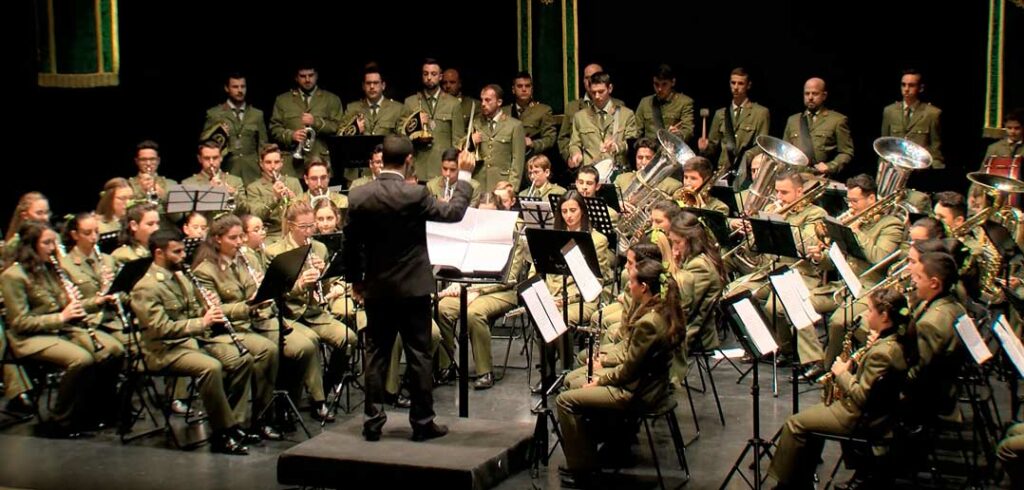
(41, 297)
(589, 133)
(822, 136)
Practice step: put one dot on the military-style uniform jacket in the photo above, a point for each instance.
(754, 121)
(387, 121)
(139, 194)
(245, 137)
(87, 274)
(554, 282)
(366, 179)
(240, 201)
(677, 110)
(436, 187)
(231, 281)
(588, 133)
(467, 103)
(448, 126)
(538, 124)
(263, 202)
(33, 307)
(298, 306)
(669, 185)
(700, 287)
(503, 150)
(129, 252)
(287, 117)
(933, 379)
(1003, 148)
(565, 132)
(543, 191)
(923, 127)
(830, 135)
(647, 380)
(884, 357)
(878, 239)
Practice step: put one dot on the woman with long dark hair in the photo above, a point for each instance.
(572, 216)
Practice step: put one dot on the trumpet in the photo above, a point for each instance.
(75, 295)
(302, 149)
(211, 300)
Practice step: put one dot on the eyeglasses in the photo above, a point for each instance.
(304, 226)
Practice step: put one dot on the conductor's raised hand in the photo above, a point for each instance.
(467, 161)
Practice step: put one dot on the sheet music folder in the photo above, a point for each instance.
(774, 236)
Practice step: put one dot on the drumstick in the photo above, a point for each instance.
(704, 122)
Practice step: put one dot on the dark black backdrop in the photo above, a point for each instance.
(174, 56)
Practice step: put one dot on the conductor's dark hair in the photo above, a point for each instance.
(396, 149)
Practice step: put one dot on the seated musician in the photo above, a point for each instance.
(47, 322)
(113, 204)
(32, 206)
(304, 304)
(645, 149)
(141, 221)
(224, 271)
(653, 328)
(1013, 144)
(147, 185)
(177, 340)
(696, 172)
(327, 216)
(195, 225)
(506, 196)
(375, 163)
(538, 169)
(890, 349)
(269, 196)
(573, 217)
(443, 185)
(93, 274)
(211, 174)
(588, 184)
(1011, 454)
(318, 180)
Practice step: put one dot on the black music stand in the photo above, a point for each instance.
(124, 282)
(833, 200)
(597, 214)
(726, 194)
(715, 223)
(844, 237)
(743, 332)
(191, 245)
(333, 241)
(352, 151)
(186, 198)
(108, 242)
(281, 275)
(536, 212)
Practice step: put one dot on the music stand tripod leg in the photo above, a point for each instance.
(282, 396)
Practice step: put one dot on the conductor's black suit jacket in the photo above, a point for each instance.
(386, 240)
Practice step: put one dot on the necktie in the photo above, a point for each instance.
(433, 103)
(491, 125)
(373, 109)
(906, 117)
(305, 99)
(736, 113)
(240, 114)
(602, 114)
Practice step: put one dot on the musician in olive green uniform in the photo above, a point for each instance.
(443, 186)
(639, 382)
(889, 351)
(697, 176)
(733, 134)
(318, 180)
(1013, 143)
(375, 164)
(499, 140)
(701, 278)
(441, 114)
(374, 114)
(538, 170)
(878, 236)
(142, 220)
(932, 380)
(451, 83)
(666, 108)
(47, 323)
(148, 185)
(822, 134)
(576, 105)
(295, 112)
(913, 119)
(1010, 453)
(645, 149)
(245, 127)
(210, 174)
(92, 273)
(177, 340)
(602, 130)
(303, 304)
(269, 196)
(538, 119)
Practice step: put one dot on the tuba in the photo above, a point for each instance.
(991, 258)
(898, 158)
(782, 155)
(643, 191)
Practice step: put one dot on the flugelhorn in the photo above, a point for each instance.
(306, 146)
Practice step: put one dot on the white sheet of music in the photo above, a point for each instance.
(541, 307)
(481, 242)
(586, 281)
(1010, 342)
(795, 298)
(758, 330)
(845, 271)
(972, 339)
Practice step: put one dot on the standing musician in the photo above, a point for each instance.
(603, 129)
(441, 114)
(732, 135)
(270, 196)
(211, 174)
(1013, 144)
(373, 114)
(878, 235)
(147, 184)
(305, 304)
(538, 118)
(700, 276)
(913, 119)
(696, 172)
(822, 134)
(891, 348)
(538, 169)
(577, 105)
(177, 340)
(442, 187)
(451, 83)
(666, 108)
(222, 269)
(305, 112)
(245, 128)
(141, 221)
(47, 322)
(113, 204)
(93, 272)
(318, 180)
(499, 140)
(654, 327)
(645, 149)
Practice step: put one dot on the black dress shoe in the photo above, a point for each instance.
(484, 382)
(21, 404)
(447, 375)
(784, 360)
(223, 442)
(371, 435)
(429, 431)
(269, 433)
(244, 436)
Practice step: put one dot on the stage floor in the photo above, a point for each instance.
(102, 462)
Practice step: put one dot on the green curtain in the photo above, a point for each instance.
(551, 27)
(77, 43)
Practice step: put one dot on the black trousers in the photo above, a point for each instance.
(410, 317)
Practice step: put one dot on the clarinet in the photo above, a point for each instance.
(211, 301)
(74, 294)
(122, 315)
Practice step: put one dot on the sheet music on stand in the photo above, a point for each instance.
(750, 318)
(843, 236)
(969, 335)
(479, 245)
(588, 283)
(541, 307)
(795, 297)
(536, 212)
(773, 235)
(845, 271)
(185, 198)
(191, 245)
(1010, 342)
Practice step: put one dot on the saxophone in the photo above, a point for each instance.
(832, 392)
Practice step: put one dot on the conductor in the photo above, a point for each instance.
(386, 262)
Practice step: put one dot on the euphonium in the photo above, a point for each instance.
(643, 191)
(697, 198)
(991, 259)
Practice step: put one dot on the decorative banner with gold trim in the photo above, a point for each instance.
(550, 25)
(77, 43)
